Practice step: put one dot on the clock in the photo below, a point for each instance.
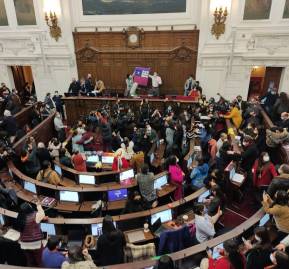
(132, 37)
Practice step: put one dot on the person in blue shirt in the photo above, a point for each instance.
(51, 257)
(199, 172)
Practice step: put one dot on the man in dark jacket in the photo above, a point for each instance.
(9, 125)
(74, 87)
(58, 103)
(43, 153)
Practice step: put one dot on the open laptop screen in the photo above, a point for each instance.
(96, 229)
(48, 228)
(69, 196)
(58, 169)
(203, 196)
(107, 159)
(31, 187)
(264, 220)
(232, 173)
(160, 182)
(86, 179)
(92, 159)
(165, 216)
(116, 195)
(126, 175)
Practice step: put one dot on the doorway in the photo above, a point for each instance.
(22, 75)
(262, 78)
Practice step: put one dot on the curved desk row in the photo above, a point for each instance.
(76, 106)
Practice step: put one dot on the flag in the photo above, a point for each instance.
(141, 75)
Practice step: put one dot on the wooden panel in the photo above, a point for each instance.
(173, 54)
(273, 74)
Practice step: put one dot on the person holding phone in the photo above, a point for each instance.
(230, 258)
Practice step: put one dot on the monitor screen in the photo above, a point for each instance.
(203, 196)
(92, 159)
(107, 159)
(232, 173)
(264, 220)
(160, 182)
(58, 169)
(30, 187)
(1, 220)
(165, 216)
(96, 229)
(69, 196)
(86, 179)
(116, 195)
(126, 175)
(48, 228)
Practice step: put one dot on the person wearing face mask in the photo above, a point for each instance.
(280, 182)
(241, 103)
(284, 123)
(276, 136)
(263, 172)
(58, 103)
(258, 254)
(269, 99)
(279, 259)
(176, 176)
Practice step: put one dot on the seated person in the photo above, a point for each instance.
(217, 199)
(280, 182)
(134, 203)
(47, 175)
(78, 258)
(64, 157)
(199, 173)
(205, 229)
(119, 163)
(79, 162)
(51, 257)
(276, 136)
(284, 122)
(43, 153)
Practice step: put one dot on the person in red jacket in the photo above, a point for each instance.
(263, 171)
(230, 258)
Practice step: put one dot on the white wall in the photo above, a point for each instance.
(225, 65)
(53, 63)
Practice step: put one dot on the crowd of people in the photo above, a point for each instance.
(130, 136)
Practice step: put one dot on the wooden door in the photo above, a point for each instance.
(272, 77)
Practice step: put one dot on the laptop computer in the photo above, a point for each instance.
(31, 187)
(58, 169)
(216, 251)
(203, 196)
(86, 179)
(165, 216)
(160, 182)
(117, 195)
(96, 229)
(126, 175)
(2, 222)
(48, 228)
(69, 196)
(235, 177)
(264, 220)
(107, 160)
(92, 159)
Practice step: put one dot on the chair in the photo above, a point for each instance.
(136, 253)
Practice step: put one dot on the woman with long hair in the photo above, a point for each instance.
(110, 244)
(231, 258)
(28, 224)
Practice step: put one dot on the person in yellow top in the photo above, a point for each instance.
(235, 115)
(48, 175)
(279, 209)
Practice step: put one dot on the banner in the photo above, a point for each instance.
(141, 75)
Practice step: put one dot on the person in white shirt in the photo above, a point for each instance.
(156, 83)
(222, 139)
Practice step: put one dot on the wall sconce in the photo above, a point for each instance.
(52, 23)
(220, 16)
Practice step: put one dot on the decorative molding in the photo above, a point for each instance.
(87, 54)
(183, 54)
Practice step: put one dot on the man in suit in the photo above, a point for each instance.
(88, 84)
(74, 87)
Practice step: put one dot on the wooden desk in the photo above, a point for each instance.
(147, 236)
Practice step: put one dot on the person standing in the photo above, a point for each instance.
(58, 103)
(59, 127)
(74, 87)
(28, 224)
(189, 84)
(48, 101)
(129, 83)
(156, 83)
(88, 84)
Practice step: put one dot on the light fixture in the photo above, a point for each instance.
(220, 17)
(52, 23)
